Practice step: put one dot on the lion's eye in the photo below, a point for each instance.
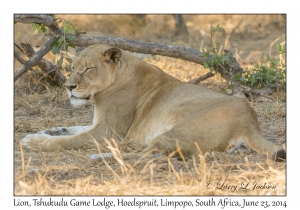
(86, 70)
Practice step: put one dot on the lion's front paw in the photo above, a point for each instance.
(58, 131)
(35, 141)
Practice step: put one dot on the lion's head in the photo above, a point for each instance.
(93, 70)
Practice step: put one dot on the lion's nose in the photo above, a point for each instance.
(71, 87)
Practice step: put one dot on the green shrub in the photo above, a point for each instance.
(268, 71)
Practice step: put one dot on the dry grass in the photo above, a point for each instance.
(72, 173)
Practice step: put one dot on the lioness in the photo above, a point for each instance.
(138, 102)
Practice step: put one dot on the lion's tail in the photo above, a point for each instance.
(261, 145)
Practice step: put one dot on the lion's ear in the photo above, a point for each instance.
(112, 55)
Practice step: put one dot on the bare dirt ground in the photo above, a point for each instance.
(216, 173)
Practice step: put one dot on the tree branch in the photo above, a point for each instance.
(46, 20)
(260, 92)
(227, 71)
(143, 47)
(19, 58)
(35, 58)
(202, 78)
(153, 48)
(46, 66)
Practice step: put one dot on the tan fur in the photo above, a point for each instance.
(138, 102)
